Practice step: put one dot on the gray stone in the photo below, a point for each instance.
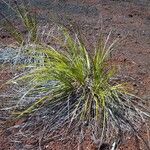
(7, 54)
(11, 55)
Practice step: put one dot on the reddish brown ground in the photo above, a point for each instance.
(130, 21)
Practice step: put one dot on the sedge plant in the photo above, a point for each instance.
(74, 87)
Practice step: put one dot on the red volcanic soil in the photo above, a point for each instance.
(130, 21)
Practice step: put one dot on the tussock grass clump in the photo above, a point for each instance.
(70, 87)
(74, 88)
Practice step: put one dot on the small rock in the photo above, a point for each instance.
(136, 91)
